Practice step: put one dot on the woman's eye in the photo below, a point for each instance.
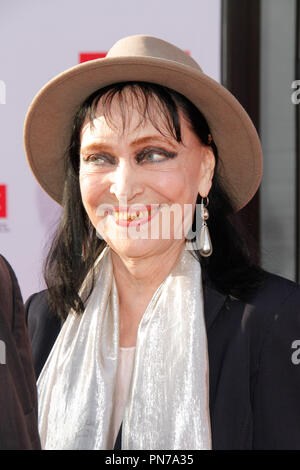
(97, 159)
(155, 156)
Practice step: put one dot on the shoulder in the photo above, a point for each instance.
(275, 289)
(254, 315)
(6, 291)
(271, 321)
(43, 327)
(7, 275)
(270, 316)
(8, 281)
(11, 302)
(37, 309)
(277, 299)
(4, 269)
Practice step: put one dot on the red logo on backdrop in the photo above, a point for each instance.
(85, 56)
(3, 201)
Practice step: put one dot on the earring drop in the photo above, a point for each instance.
(205, 245)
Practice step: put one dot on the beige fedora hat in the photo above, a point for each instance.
(143, 58)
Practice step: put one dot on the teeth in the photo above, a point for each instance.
(138, 214)
(133, 215)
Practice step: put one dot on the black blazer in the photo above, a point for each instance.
(18, 400)
(253, 362)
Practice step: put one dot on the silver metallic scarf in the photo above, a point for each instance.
(168, 402)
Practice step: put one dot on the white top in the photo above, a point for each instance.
(125, 367)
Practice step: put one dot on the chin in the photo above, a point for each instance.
(138, 248)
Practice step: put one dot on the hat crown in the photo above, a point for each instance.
(149, 46)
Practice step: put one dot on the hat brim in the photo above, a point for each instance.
(48, 123)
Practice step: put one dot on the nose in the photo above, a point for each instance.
(125, 182)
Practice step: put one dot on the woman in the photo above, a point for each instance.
(155, 318)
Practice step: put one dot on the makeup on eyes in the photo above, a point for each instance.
(140, 156)
(155, 150)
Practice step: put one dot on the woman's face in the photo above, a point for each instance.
(139, 187)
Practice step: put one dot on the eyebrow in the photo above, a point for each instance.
(146, 139)
(134, 143)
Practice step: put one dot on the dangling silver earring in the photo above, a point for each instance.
(205, 246)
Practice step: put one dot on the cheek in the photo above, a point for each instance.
(91, 187)
(179, 187)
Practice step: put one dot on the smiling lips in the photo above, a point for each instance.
(133, 215)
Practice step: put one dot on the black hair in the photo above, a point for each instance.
(75, 247)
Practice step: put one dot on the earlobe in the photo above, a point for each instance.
(204, 188)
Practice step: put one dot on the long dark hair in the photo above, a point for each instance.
(75, 246)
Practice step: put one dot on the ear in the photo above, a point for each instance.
(207, 171)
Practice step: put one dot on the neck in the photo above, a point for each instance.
(142, 276)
